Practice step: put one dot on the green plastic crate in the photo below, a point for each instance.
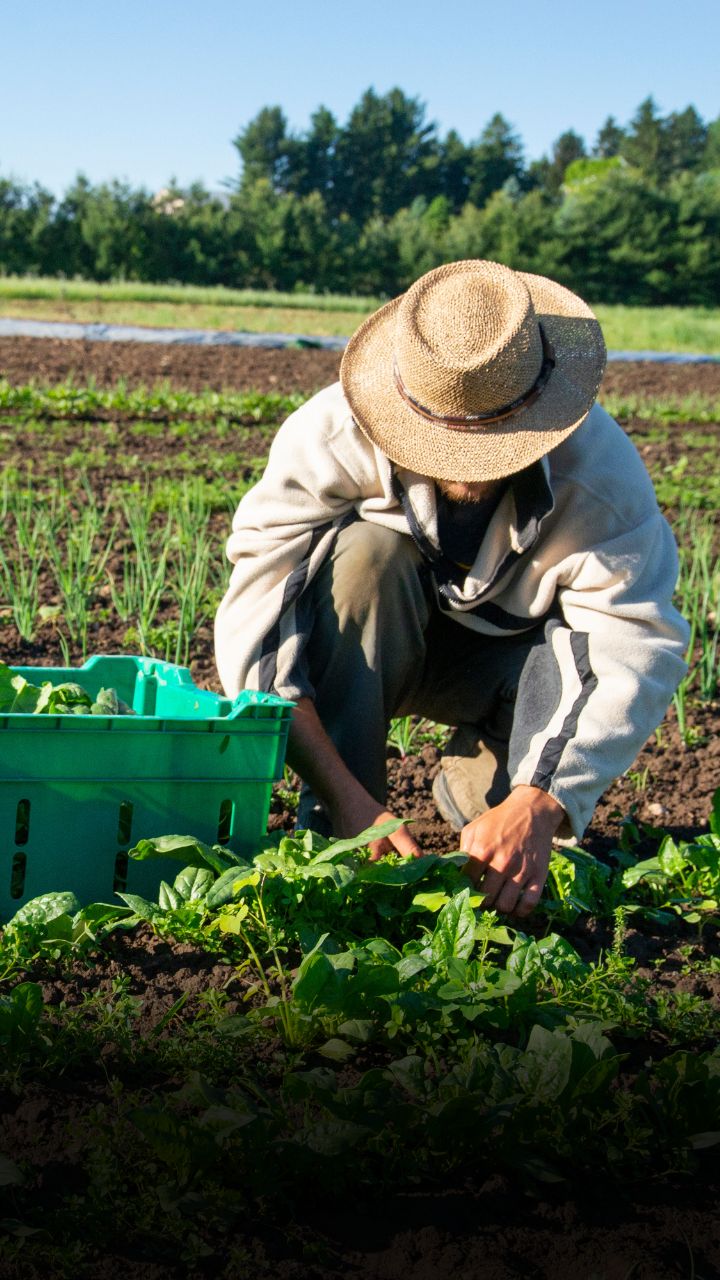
(77, 791)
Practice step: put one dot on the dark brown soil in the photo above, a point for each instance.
(284, 369)
(649, 792)
(139, 363)
(488, 1227)
(493, 1229)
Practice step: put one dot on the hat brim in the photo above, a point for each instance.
(501, 448)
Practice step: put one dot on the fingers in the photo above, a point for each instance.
(472, 843)
(379, 849)
(404, 843)
(399, 842)
(509, 889)
(508, 851)
(511, 895)
(500, 890)
(529, 898)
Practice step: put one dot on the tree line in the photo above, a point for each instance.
(367, 206)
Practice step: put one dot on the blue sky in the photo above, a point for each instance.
(148, 89)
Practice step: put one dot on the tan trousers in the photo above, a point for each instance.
(380, 647)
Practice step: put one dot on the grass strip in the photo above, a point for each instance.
(306, 324)
(688, 330)
(692, 408)
(46, 288)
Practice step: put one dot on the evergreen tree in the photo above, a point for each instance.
(263, 146)
(494, 158)
(312, 160)
(567, 148)
(711, 154)
(25, 215)
(618, 240)
(609, 140)
(385, 156)
(644, 144)
(452, 170)
(685, 140)
(698, 236)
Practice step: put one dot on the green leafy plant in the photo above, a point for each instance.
(18, 695)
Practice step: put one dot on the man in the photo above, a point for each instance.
(457, 529)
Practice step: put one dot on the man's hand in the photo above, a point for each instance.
(352, 809)
(509, 849)
(361, 812)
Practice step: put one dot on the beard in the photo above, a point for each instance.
(468, 491)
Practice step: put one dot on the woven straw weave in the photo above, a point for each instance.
(467, 339)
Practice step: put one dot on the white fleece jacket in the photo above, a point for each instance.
(577, 543)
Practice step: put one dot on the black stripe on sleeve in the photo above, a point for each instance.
(294, 587)
(553, 749)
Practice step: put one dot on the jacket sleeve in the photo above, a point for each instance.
(283, 530)
(590, 696)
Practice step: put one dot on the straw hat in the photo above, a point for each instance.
(475, 372)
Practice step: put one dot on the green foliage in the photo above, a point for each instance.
(18, 695)
(372, 203)
(67, 400)
(20, 1016)
(683, 877)
(55, 925)
(588, 169)
(409, 734)
(386, 1032)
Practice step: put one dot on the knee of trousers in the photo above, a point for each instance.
(377, 569)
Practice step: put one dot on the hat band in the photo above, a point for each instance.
(474, 421)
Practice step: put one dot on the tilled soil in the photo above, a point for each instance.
(283, 369)
(494, 1229)
(650, 791)
(489, 1227)
(52, 360)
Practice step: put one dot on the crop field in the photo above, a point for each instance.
(301, 1063)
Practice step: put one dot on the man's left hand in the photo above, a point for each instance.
(509, 849)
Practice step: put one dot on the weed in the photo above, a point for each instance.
(409, 734)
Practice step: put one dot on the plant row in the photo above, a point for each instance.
(69, 400)
(166, 582)
(412, 1033)
(150, 559)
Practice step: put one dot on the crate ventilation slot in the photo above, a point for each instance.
(17, 875)
(22, 822)
(225, 821)
(120, 871)
(125, 818)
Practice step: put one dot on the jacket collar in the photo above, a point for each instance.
(534, 500)
(513, 530)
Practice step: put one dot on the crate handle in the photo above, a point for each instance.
(145, 696)
(248, 699)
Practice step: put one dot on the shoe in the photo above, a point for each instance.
(445, 804)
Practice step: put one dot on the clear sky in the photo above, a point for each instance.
(146, 90)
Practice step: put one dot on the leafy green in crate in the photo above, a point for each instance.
(18, 695)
